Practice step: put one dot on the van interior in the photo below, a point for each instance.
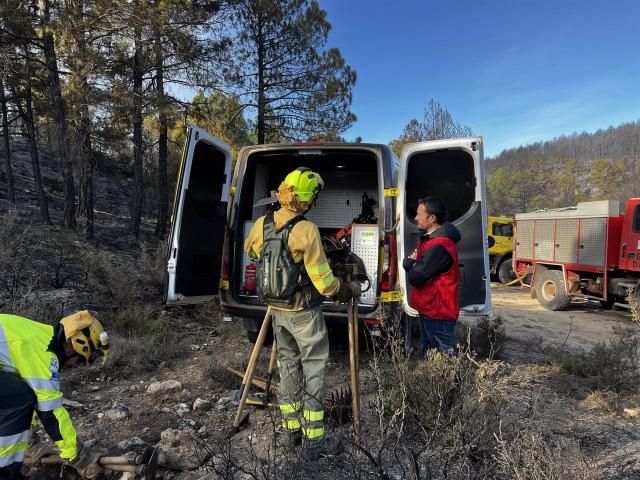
(347, 175)
(450, 175)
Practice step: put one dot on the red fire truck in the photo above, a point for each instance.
(589, 251)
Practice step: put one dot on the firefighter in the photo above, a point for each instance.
(294, 281)
(31, 355)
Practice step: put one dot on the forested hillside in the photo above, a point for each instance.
(108, 87)
(568, 169)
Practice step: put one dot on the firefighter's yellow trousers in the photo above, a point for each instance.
(303, 351)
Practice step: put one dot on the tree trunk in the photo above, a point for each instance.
(69, 216)
(54, 160)
(163, 190)
(138, 172)
(27, 117)
(261, 87)
(87, 163)
(82, 90)
(7, 148)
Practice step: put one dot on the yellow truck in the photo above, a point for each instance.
(500, 231)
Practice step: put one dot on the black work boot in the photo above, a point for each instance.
(291, 438)
(326, 447)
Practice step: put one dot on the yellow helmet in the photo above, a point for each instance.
(86, 334)
(306, 183)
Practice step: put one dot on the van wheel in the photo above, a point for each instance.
(551, 292)
(505, 271)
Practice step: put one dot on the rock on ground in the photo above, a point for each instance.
(180, 450)
(162, 387)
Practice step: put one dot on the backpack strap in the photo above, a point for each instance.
(290, 224)
(268, 226)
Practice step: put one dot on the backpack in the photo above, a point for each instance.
(278, 276)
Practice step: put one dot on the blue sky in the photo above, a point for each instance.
(515, 71)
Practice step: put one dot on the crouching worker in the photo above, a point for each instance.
(31, 354)
(294, 277)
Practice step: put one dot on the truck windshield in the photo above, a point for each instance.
(636, 219)
(502, 230)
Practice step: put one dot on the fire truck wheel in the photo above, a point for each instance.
(551, 292)
(505, 271)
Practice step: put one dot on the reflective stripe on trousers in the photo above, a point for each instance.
(13, 448)
(291, 415)
(313, 424)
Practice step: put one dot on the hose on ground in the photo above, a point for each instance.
(513, 282)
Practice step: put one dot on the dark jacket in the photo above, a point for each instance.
(435, 260)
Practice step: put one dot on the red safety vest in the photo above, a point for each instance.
(439, 297)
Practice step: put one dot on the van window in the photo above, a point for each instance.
(636, 219)
(502, 230)
(447, 174)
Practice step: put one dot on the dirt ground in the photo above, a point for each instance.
(122, 408)
(116, 410)
(528, 324)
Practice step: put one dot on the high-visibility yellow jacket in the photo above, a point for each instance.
(305, 245)
(25, 350)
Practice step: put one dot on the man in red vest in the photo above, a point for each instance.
(434, 273)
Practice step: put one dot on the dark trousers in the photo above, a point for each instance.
(438, 334)
(17, 404)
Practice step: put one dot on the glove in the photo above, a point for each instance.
(347, 291)
(38, 449)
(86, 462)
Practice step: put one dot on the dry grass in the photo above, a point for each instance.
(604, 400)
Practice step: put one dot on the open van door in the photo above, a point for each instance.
(199, 220)
(453, 170)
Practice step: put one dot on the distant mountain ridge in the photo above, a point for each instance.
(582, 166)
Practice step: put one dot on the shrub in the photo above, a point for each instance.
(17, 246)
(153, 263)
(486, 338)
(614, 366)
(603, 399)
(531, 456)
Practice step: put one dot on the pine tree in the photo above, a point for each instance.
(282, 71)
(55, 92)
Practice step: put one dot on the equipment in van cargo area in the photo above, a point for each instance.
(214, 211)
(346, 197)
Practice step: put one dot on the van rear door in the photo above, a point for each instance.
(453, 170)
(199, 220)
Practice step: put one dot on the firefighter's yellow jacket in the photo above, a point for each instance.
(305, 245)
(26, 350)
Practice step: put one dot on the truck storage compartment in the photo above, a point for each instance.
(449, 174)
(349, 176)
(580, 236)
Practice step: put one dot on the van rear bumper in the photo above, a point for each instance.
(332, 312)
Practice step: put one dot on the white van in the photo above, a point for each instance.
(214, 211)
